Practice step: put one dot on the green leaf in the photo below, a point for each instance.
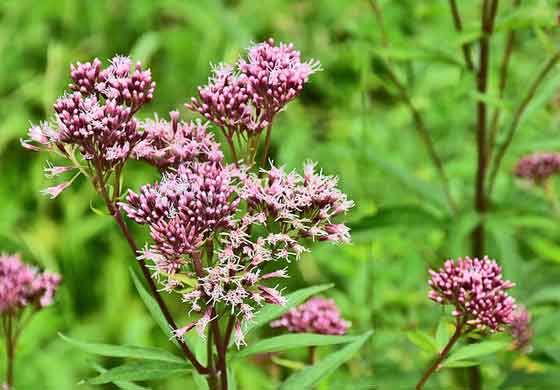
(124, 351)
(443, 333)
(546, 294)
(423, 341)
(475, 350)
(145, 47)
(270, 312)
(153, 307)
(291, 341)
(309, 376)
(428, 191)
(140, 371)
(461, 363)
(407, 216)
(291, 364)
(120, 384)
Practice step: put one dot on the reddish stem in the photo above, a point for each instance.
(442, 355)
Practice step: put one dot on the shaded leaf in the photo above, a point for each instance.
(124, 351)
(140, 371)
(309, 376)
(475, 350)
(291, 341)
(423, 341)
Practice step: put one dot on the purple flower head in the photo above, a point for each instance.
(477, 291)
(246, 98)
(22, 285)
(317, 315)
(226, 102)
(521, 330)
(97, 117)
(186, 207)
(538, 167)
(275, 74)
(169, 144)
(304, 203)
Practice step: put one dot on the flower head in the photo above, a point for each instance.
(276, 74)
(96, 118)
(538, 167)
(185, 207)
(246, 98)
(521, 330)
(171, 143)
(21, 285)
(317, 315)
(477, 291)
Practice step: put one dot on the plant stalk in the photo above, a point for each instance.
(116, 214)
(442, 355)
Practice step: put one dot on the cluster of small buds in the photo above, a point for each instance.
(185, 208)
(167, 144)
(247, 98)
(538, 167)
(303, 203)
(476, 290)
(521, 330)
(97, 118)
(22, 286)
(275, 74)
(318, 315)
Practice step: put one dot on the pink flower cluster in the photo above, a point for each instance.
(185, 208)
(477, 291)
(521, 330)
(21, 285)
(255, 221)
(305, 204)
(538, 167)
(169, 143)
(246, 99)
(318, 315)
(97, 118)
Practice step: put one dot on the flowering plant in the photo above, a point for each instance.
(23, 292)
(222, 233)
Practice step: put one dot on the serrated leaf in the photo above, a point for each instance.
(291, 341)
(471, 351)
(270, 312)
(423, 341)
(140, 371)
(124, 351)
(309, 376)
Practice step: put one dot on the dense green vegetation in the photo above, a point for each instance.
(352, 119)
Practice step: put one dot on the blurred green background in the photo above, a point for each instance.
(350, 119)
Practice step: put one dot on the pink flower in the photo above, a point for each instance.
(51, 171)
(169, 144)
(53, 192)
(521, 330)
(476, 289)
(21, 285)
(538, 167)
(239, 337)
(318, 315)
